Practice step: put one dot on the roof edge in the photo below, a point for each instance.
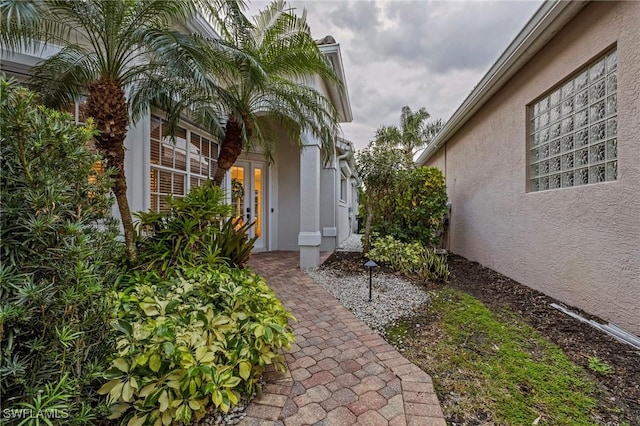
(343, 104)
(550, 17)
(200, 25)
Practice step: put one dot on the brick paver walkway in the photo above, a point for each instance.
(340, 371)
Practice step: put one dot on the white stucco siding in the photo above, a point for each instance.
(328, 200)
(580, 245)
(288, 204)
(137, 165)
(343, 221)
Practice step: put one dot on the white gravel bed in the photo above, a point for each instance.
(393, 297)
(352, 243)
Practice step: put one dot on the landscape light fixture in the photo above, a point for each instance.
(370, 264)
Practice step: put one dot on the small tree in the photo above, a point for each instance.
(59, 253)
(412, 208)
(377, 166)
(280, 54)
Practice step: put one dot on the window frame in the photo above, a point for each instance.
(190, 179)
(554, 139)
(343, 188)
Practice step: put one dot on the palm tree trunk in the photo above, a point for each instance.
(230, 149)
(119, 189)
(107, 105)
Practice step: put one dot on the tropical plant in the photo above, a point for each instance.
(410, 258)
(412, 206)
(377, 166)
(198, 337)
(197, 229)
(59, 258)
(234, 242)
(413, 133)
(125, 56)
(274, 86)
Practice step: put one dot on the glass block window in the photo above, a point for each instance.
(178, 164)
(573, 130)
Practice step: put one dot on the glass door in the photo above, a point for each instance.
(247, 197)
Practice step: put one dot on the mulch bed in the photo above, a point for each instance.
(578, 340)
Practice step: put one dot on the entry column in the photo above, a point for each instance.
(309, 237)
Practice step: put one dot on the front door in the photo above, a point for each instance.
(247, 197)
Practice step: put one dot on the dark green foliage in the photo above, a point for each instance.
(202, 336)
(59, 259)
(197, 229)
(377, 165)
(410, 258)
(234, 242)
(413, 206)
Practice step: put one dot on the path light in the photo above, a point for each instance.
(370, 264)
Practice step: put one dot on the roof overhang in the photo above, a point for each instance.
(339, 96)
(200, 25)
(21, 61)
(548, 20)
(346, 158)
(344, 146)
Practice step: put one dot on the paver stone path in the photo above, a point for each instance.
(340, 371)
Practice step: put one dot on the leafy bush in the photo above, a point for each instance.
(200, 335)
(59, 258)
(410, 258)
(197, 229)
(195, 328)
(412, 209)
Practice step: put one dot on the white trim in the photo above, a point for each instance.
(201, 26)
(271, 209)
(311, 239)
(329, 231)
(145, 122)
(340, 98)
(542, 27)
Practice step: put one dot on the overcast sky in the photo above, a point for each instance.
(421, 53)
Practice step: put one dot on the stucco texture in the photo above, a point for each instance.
(288, 203)
(580, 245)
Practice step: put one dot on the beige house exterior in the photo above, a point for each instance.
(542, 160)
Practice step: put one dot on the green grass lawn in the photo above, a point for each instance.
(493, 367)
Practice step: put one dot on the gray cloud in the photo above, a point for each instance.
(417, 53)
(439, 35)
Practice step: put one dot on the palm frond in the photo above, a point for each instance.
(29, 24)
(62, 78)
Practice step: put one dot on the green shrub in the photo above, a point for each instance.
(197, 229)
(200, 335)
(413, 206)
(410, 258)
(59, 258)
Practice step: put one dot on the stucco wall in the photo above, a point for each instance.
(137, 166)
(342, 215)
(439, 160)
(288, 204)
(580, 245)
(328, 207)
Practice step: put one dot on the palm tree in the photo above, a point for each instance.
(414, 133)
(271, 82)
(125, 56)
